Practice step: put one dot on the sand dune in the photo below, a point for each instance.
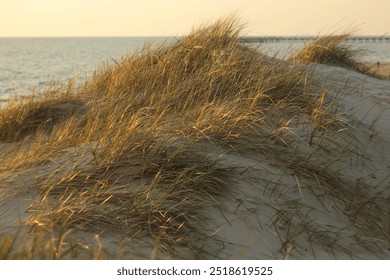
(240, 157)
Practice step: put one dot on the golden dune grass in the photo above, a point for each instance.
(332, 50)
(124, 153)
(335, 50)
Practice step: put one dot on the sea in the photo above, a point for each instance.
(32, 64)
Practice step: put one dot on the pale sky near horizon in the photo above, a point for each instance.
(48, 18)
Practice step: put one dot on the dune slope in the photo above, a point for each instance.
(202, 149)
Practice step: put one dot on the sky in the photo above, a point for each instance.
(62, 18)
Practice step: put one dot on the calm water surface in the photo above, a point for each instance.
(28, 64)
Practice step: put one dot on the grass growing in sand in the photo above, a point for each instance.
(334, 50)
(129, 153)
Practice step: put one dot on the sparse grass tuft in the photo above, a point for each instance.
(26, 118)
(331, 50)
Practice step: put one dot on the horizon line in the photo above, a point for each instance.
(181, 36)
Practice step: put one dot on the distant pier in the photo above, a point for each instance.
(280, 39)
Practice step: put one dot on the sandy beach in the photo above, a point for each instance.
(204, 149)
(383, 69)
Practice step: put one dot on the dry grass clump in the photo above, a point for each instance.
(160, 196)
(54, 245)
(128, 153)
(20, 120)
(331, 50)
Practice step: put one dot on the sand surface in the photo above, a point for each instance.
(269, 198)
(246, 229)
(383, 69)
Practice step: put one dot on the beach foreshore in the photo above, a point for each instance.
(381, 69)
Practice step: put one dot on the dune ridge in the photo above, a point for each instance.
(201, 149)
